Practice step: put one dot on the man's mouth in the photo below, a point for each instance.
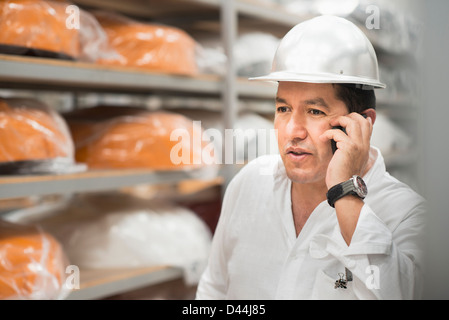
(297, 153)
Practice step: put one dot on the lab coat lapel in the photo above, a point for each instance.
(283, 203)
(319, 222)
(282, 195)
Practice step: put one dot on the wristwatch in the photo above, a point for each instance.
(354, 186)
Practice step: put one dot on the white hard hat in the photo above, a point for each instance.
(326, 49)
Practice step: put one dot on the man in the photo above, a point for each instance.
(310, 223)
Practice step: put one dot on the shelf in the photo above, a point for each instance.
(52, 74)
(101, 180)
(98, 284)
(155, 9)
(268, 12)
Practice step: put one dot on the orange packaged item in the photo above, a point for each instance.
(29, 130)
(38, 25)
(153, 140)
(151, 46)
(33, 264)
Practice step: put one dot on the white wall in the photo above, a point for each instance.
(435, 164)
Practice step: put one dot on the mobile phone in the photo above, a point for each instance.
(333, 142)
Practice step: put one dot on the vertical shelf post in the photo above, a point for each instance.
(228, 24)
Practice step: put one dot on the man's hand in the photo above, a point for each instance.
(351, 157)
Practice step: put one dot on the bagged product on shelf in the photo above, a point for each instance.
(34, 138)
(392, 26)
(389, 137)
(402, 85)
(94, 41)
(150, 46)
(33, 264)
(52, 29)
(37, 25)
(254, 53)
(159, 235)
(114, 230)
(395, 29)
(144, 139)
(211, 58)
(253, 135)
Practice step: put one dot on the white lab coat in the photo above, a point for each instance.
(256, 254)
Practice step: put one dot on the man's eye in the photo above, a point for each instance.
(282, 109)
(316, 112)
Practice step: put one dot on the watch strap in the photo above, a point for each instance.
(339, 191)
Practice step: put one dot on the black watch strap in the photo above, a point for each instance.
(339, 191)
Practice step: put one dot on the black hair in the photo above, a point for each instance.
(355, 99)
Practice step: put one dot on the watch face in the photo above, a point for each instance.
(362, 190)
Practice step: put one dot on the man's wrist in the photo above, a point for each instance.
(348, 200)
(354, 186)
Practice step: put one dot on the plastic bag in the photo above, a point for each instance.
(94, 41)
(114, 230)
(394, 29)
(389, 137)
(211, 58)
(33, 264)
(150, 46)
(150, 237)
(38, 25)
(254, 53)
(31, 130)
(252, 134)
(34, 138)
(53, 29)
(144, 139)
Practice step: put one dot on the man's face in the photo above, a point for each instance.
(303, 113)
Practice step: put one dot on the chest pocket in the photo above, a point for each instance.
(324, 288)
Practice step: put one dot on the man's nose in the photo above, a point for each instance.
(296, 128)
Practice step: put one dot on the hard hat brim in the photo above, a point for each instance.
(320, 78)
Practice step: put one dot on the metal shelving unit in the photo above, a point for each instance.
(98, 180)
(97, 284)
(41, 73)
(48, 74)
(19, 72)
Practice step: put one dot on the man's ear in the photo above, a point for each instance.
(370, 113)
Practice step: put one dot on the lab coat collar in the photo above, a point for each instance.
(378, 168)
